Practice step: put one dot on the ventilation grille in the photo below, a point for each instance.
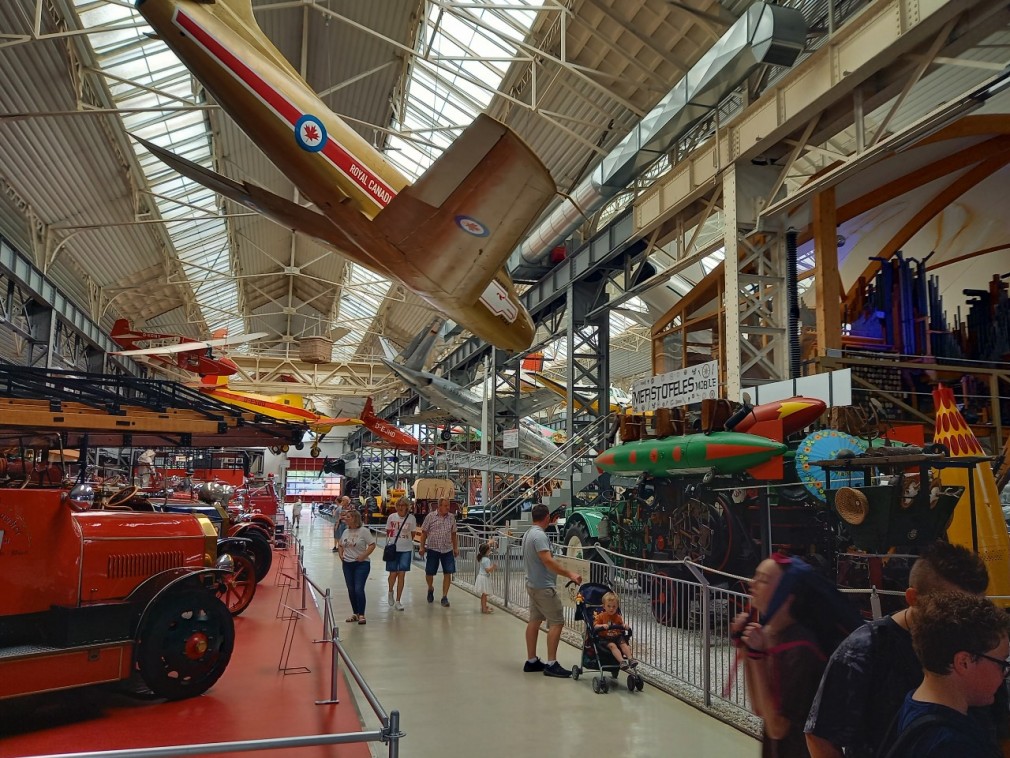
(143, 564)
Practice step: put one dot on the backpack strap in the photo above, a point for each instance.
(914, 729)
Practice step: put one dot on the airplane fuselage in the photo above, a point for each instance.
(348, 180)
(461, 403)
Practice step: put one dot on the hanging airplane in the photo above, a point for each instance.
(287, 407)
(180, 352)
(390, 434)
(459, 403)
(446, 237)
(620, 401)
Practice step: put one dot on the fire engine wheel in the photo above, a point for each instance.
(238, 588)
(184, 644)
(262, 553)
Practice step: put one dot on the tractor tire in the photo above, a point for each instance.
(184, 644)
(578, 544)
(662, 592)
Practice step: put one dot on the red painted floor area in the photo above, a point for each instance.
(252, 700)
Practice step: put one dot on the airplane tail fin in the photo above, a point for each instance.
(416, 353)
(368, 411)
(211, 380)
(121, 327)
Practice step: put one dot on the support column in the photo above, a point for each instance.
(588, 341)
(827, 282)
(756, 307)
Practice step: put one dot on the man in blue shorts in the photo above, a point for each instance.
(441, 543)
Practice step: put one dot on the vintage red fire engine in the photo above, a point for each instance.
(90, 596)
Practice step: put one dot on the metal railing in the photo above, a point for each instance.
(390, 733)
(681, 628)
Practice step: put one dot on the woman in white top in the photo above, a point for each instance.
(404, 549)
(356, 545)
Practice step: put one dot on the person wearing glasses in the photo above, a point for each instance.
(961, 642)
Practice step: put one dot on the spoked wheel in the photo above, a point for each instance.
(576, 672)
(238, 588)
(184, 644)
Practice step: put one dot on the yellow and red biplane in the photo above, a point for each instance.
(180, 352)
(446, 237)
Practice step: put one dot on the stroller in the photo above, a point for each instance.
(595, 655)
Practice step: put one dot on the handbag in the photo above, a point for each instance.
(389, 551)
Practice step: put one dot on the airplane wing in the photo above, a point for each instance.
(336, 421)
(460, 221)
(430, 416)
(278, 209)
(530, 402)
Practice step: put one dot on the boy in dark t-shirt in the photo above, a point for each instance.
(868, 676)
(961, 642)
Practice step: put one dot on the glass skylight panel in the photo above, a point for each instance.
(159, 80)
(467, 51)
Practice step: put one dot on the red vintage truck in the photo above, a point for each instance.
(90, 596)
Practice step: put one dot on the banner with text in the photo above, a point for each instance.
(688, 385)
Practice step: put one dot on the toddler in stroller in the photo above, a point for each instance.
(605, 645)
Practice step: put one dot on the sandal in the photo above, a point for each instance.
(361, 620)
(351, 619)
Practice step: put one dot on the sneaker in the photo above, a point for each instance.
(634, 663)
(445, 602)
(431, 596)
(624, 666)
(398, 605)
(533, 666)
(334, 550)
(390, 598)
(557, 670)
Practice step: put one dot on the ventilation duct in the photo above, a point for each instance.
(766, 34)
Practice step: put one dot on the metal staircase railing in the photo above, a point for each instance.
(580, 446)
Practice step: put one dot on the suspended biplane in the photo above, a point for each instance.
(180, 352)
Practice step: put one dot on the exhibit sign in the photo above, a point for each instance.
(510, 439)
(682, 387)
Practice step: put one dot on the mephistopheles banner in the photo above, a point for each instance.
(682, 387)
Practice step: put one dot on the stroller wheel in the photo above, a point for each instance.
(631, 683)
(639, 683)
(596, 686)
(576, 672)
(604, 685)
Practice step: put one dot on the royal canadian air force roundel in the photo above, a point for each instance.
(472, 226)
(310, 134)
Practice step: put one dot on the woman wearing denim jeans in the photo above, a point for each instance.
(356, 546)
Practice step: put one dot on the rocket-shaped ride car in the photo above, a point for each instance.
(721, 452)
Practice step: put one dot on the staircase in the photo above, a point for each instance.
(449, 461)
(568, 462)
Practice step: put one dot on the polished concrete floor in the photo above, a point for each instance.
(456, 677)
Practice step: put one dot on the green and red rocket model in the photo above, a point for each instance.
(722, 452)
(728, 452)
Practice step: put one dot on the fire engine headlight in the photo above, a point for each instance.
(225, 563)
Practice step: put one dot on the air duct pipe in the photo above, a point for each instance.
(765, 34)
(793, 304)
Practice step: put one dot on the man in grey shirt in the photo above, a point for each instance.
(541, 577)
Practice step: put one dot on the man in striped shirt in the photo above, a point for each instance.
(440, 542)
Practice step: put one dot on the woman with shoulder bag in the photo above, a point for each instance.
(399, 549)
(356, 545)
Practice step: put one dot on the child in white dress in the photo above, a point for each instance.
(485, 568)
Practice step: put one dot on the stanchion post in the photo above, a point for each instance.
(333, 699)
(304, 577)
(393, 730)
(706, 633)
